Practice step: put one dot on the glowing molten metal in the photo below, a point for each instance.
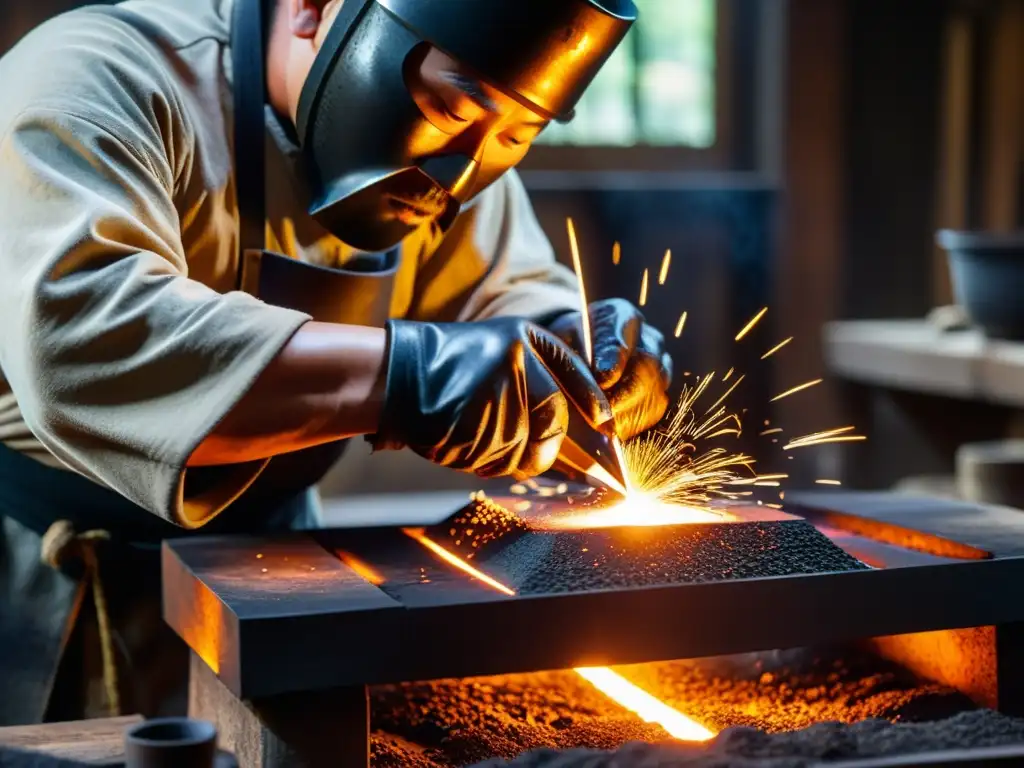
(645, 706)
(637, 509)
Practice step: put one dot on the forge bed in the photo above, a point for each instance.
(287, 632)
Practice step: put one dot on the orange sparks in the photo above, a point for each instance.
(837, 435)
(616, 252)
(776, 348)
(578, 266)
(797, 388)
(643, 289)
(357, 565)
(728, 392)
(665, 261)
(417, 535)
(828, 482)
(824, 440)
(727, 375)
(644, 705)
(823, 433)
(749, 326)
(680, 325)
(771, 431)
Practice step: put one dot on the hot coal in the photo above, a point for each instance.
(573, 561)
(769, 704)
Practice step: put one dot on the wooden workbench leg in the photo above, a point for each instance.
(321, 729)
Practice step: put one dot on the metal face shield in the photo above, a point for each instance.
(359, 125)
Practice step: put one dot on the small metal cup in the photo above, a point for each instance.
(172, 742)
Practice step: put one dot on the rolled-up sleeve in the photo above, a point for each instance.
(119, 362)
(495, 261)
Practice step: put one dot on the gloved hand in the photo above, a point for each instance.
(491, 397)
(630, 362)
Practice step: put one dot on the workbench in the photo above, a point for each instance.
(98, 742)
(919, 393)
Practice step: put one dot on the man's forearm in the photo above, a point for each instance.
(326, 384)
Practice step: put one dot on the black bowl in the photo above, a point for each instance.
(987, 271)
(171, 742)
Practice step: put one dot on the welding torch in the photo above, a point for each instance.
(591, 454)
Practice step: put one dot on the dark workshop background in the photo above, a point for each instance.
(793, 154)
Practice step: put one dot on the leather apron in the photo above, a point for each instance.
(44, 637)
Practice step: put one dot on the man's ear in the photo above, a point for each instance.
(304, 18)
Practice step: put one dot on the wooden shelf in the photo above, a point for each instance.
(916, 356)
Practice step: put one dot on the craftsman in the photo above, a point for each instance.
(187, 341)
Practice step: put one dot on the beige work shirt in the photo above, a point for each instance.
(122, 341)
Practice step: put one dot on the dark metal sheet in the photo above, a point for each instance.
(941, 526)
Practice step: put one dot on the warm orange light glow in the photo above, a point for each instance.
(665, 261)
(417, 535)
(616, 253)
(638, 509)
(828, 482)
(360, 567)
(643, 289)
(644, 705)
(797, 388)
(750, 325)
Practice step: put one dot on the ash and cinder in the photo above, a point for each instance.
(541, 561)
(773, 710)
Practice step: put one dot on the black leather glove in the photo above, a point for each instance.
(630, 362)
(490, 397)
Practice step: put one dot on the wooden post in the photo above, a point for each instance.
(318, 729)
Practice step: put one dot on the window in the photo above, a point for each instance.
(658, 88)
(679, 94)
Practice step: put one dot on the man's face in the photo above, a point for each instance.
(462, 115)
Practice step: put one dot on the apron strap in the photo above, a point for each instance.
(248, 76)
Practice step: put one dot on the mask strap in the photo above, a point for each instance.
(341, 29)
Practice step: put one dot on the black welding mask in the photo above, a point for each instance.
(357, 119)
